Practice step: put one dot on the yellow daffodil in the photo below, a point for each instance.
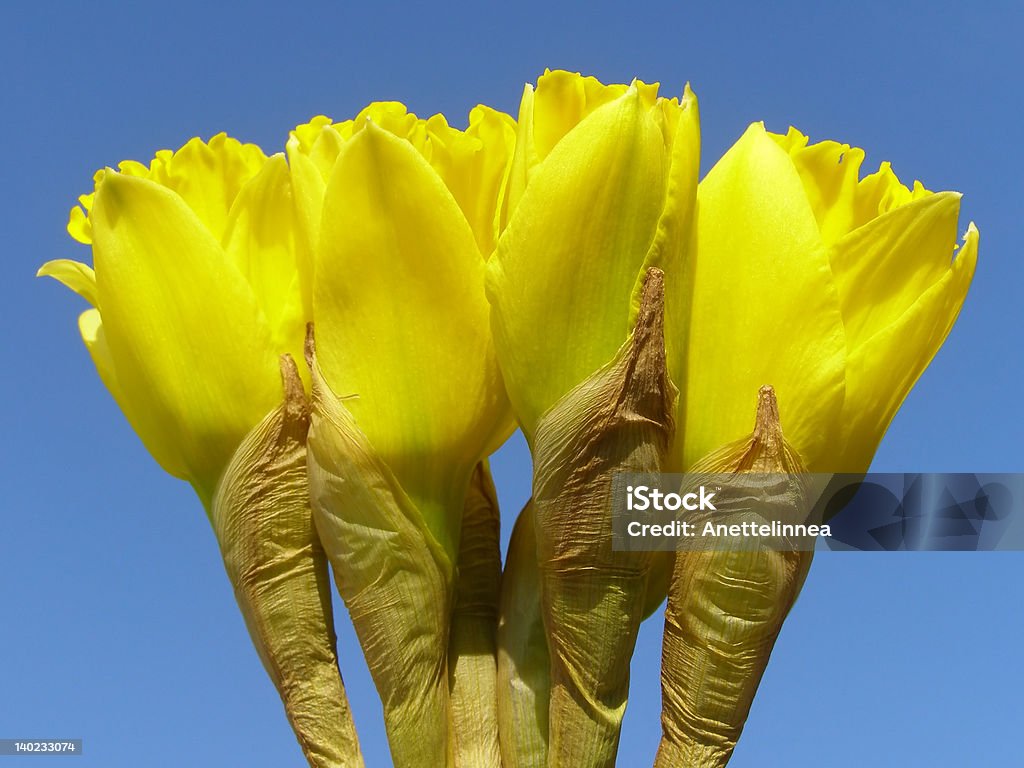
(793, 272)
(196, 316)
(602, 187)
(407, 397)
(837, 291)
(600, 203)
(192, 297)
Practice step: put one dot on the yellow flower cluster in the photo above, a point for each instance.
(329, 342)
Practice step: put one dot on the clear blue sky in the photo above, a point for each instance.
(117, 624)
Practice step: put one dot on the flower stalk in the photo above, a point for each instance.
(524, 664)
(472, 665)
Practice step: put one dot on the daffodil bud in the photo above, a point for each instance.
(395, 578)
(195, 297)
(408, 400)
(725, 610)
(620, 419)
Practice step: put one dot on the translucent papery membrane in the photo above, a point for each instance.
(207, 175)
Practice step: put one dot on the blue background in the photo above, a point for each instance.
(117, 624)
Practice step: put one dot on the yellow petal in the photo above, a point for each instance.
(883, 267)
(208, 175)
(841, 201)
(308, 189)
(675, 244)
(402, 322)
(561, 101)
(75, 275)
(474, 166)
(260, 240)
(90, 325)
(473, 163)
(523, 158)
(562, 279)
(764, 307)
(883, 368)
(192, 350)
(78, 221)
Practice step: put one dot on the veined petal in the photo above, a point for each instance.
(883, 267)
(206, 175)
(75, 275)
(764, 307)
(402, 322)
(90, 325)
(260, 239)
(548, 112)
(562, 100)
(192, 349)
(523, 158)
(675, 244)
(473, 163)
(308, 187)
(474, 166)
(561, 281)
(882, 369)
(397, 582)
(830, 174)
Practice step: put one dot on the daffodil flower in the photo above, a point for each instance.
(407, 399)
(837, 291)
(600, 203)
(196, 314)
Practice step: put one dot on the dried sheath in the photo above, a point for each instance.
(395, 579)
(524, 664)
(261, 515)
(617, 420)
(725, 610)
